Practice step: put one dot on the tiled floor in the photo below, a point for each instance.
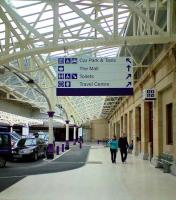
(99, 179)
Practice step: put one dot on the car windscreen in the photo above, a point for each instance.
(27, 142)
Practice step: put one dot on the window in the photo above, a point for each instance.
(0, 140)
(4, 140)
(169, 124)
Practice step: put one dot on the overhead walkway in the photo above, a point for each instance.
(97, 179)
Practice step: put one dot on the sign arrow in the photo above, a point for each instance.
(128, 60)
(129, 84)
(129, 76)
(128, 66)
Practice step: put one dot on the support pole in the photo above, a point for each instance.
(74, 135)
(50, 152)
(67, 135)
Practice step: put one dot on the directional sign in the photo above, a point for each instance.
(67, 84)
(68, 76)
(61, 76)
(149, 94)
(89, 76)
(61, 60)
(74, 76)
(60, 68)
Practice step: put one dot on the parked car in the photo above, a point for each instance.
(31, 148)
(5, 148)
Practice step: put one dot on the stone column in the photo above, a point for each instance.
(128, 128)
(135, 130)
(173, 168)
(121, 125)
(124, 123)
(50, 152)
(144, 130)
(111, 133)
(157, 129)
(109, 129)
(67, 135)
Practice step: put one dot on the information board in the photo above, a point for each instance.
(89, 76)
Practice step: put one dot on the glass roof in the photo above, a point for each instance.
(32, 32)
(36, 23)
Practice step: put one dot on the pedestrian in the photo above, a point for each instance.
(113, 148)
(123, 145)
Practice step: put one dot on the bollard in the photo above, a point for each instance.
(74, 142)
(63, 148)
(80, 145)
(50, 151)
(67, 145)
(98, 141)
(57, 150)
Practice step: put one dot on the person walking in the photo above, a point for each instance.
(123, 145)
(113, 148)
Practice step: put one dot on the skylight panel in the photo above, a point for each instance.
(46, 15)
(70, 16)
(107, 11)
(31, 19)
(19, 3)
(44, 24)
(29, 10)
(74, 21)
(64, 9)
(88, 10)
(2, 28)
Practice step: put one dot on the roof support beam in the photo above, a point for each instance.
(23, 22)
(113, 42)
(86, 18)
(133, 8)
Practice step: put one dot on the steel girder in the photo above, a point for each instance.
(33, 31)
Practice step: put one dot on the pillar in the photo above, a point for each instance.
(109, 128)
(121, 125)
(50, 152)
(144, 130)
(157, 129)
(11, 129)
(128, 128)
(74, 134)
(173, 168)
(67, 135)
(157, 122)
(136, 130)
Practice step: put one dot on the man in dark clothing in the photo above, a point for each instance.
(123, 145)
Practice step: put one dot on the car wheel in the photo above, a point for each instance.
(2, 162)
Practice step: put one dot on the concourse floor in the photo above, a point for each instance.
(98, 179)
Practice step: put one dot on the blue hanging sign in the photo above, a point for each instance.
(88, 76)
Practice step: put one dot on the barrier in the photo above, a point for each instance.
(57, 150)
